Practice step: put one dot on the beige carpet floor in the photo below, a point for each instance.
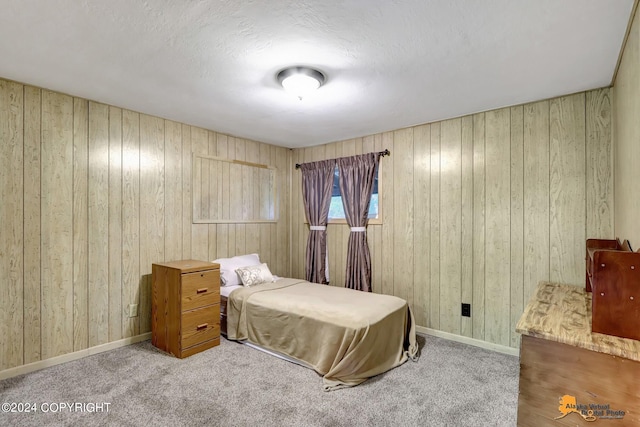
(452, 384)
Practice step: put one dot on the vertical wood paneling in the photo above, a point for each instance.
(80, 224)
(450, 224)
(214, 199)
(466, 246)
(203, 184)
(434, 235)
(267, 233)
(536, 196)
(212, 191)
(187, 192)
(599, 183)
(421, 221)
(403, 215)
(567, 189)
(57, 224)
(197, 188)
(517, 221)
(173, 191)
(479, 229)
(152, 202)
(11, 218)
(239, 145)
(115, 224)
(222, 230)
(497, 226)
(279, 190)
(32, 132)
(63, 179)
(91, 195)
(98, 224)
(284, 227)
(199, 232)
(252, 243)
(131, 276)
(263, 240)
(271, 241)
(386, 197)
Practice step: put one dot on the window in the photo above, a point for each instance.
(336, 209)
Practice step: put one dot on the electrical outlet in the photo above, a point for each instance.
(133, 310)
(466, 310)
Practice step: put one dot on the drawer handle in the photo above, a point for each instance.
(202, 290)
(204, 325)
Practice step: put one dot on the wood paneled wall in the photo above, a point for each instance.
(479, 209)
(476, 209)
(626, 91)
(90, 196)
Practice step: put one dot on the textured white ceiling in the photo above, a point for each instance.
(390, 64)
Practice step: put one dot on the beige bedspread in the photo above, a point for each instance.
(345, 335)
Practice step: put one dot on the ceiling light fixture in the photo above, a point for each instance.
(300, 81)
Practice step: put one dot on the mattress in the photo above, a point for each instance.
(226, 290)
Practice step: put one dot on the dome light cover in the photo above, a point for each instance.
(300, 81)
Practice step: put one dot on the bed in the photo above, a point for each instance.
(346, 336)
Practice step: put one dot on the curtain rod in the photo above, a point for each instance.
(386, 152)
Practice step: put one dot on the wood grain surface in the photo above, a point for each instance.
(562, 313)
(56, 221)
(98, 225)
(91, 196)
(567, 187)
(32, 201)
(551, 370)
(11, 218)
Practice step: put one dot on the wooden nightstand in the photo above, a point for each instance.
(185, 306)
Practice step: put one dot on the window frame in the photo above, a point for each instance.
(372, 221)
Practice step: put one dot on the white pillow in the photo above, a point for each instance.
(254, 275)
(228, 267)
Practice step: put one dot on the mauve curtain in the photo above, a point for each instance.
(317, 180)
(357, 174)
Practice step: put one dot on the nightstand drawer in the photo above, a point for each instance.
(200, 325)
(200, 289)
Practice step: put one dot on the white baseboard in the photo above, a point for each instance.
(41, 364)
(466, 340)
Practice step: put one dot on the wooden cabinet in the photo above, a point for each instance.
(566, 370)
(185, 306)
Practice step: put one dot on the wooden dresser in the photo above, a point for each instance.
(566, 370)
(185, 306)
